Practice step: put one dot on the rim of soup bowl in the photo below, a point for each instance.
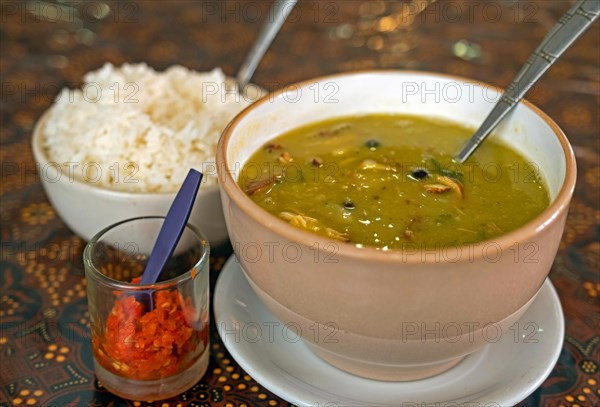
(41, 158)
(523, 233)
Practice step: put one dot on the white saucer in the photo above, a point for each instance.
(501, 374)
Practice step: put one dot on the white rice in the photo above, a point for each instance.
(135, 129)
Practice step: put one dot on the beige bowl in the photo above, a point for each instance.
(395, 315)
(87, 208)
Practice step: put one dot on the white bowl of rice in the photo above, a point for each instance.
(121, 146)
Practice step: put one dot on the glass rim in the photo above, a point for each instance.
(92, 271)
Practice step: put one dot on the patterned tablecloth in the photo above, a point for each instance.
(44, 337)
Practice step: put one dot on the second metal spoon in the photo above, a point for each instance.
(569, 27)
(279, 13)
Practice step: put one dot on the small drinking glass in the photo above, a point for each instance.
(149, 342)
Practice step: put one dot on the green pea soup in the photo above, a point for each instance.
(389, 181)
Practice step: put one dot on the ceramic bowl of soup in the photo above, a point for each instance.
(350, 219)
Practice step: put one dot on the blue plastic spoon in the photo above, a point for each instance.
(170, 233)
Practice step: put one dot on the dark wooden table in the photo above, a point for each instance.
(44, 338)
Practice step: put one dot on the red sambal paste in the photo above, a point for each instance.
(149, 345)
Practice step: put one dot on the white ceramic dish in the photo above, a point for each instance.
(87, 209)
(501, 374)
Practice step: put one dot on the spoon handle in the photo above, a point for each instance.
(279, 13)
(569, 27)
(172, 227)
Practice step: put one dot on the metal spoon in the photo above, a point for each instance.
(569, 27)
(279, 13)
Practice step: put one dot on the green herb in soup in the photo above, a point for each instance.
(387, 181)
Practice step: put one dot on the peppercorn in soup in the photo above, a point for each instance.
(389, 181)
